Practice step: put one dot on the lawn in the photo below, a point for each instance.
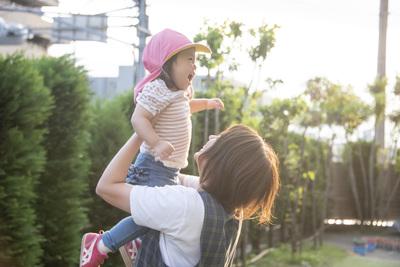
(352, 261)
(327, 256)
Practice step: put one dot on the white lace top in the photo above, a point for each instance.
(172, 122)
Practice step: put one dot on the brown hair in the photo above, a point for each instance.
(166, 73)
(242, 172)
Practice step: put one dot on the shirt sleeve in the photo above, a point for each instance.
(189, 180)
(154, 97)
(163, 208)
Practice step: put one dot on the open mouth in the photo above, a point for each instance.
(190, 77)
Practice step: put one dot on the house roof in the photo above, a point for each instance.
(36, 3)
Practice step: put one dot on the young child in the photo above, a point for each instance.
(162, 120)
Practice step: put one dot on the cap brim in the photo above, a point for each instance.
(198, 48)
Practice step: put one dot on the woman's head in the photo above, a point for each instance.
(241, 171)
(179, 71)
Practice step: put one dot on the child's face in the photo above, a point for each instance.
(184, 68)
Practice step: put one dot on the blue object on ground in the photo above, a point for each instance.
(371, 247)
(361, 250)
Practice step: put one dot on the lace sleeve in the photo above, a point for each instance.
(154, 97)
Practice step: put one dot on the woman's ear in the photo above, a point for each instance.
(190, 92)
(201, 162)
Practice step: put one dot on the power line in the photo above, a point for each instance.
(73, 27)
(116, 10)
(141, 27)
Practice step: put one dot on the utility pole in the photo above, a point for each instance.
(142, 32)
(381, 72)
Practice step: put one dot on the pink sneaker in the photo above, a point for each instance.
(129, 251)
(90, 255)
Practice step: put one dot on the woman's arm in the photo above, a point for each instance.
(189, 180)
(111, 186)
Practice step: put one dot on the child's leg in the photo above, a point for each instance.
(145, 171)
(126, 230)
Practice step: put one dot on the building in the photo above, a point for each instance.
(21, 22)
(108, 87)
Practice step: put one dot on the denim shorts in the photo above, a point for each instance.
(147, 171)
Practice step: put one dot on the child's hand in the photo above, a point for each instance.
(162, 150)
(215, 103)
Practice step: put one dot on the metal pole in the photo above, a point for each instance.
(142, 32)
(383, 20)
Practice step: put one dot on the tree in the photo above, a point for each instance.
(353, 113)
(224, 40)
(62, 206)
(327, 108)
(394, 157)
(312, 151)
(277, 116)
(377, 90)
(25, 105)
(109, 131)
(221, 40)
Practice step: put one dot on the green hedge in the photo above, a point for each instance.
(63, 186)
(24, 107)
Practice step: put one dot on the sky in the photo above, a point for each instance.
(337, 39)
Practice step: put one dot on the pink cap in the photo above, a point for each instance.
(163, 46)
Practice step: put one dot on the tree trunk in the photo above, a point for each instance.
(379, 138)
(353, 184)
(193, 146)
(271, 236)
(302, 169)
(371, 175)
(255, 235)
(283, 219)
(297, 231)
(383, 191)
(327, 163)
(303, 216)
(217, 123)
(205, 137)
(396, 186)
(366, 198)
(293, 229)
(243, 244)
(206, 119)
(284, 191)
(314, 215)
(318, 173)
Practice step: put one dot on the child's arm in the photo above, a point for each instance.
(141, 122)
(200, 104)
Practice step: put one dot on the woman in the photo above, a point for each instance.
(196, 225)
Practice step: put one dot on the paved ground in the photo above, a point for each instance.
(344, 239)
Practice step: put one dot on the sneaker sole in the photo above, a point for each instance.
(82, 248)
(125, 257)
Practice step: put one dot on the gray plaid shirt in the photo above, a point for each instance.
(216, 235)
